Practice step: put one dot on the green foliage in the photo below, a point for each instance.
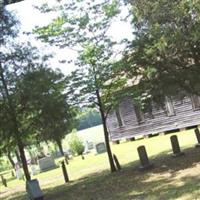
(88, 118)
(86, 30)
(4, 164)
(165, 52)
(97, 76)
(76, 145)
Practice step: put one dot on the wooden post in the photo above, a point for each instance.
(197, 133)
(175, 146)
(12, 173)
(144, 160)
(3, 180)
(117, 162)
(64, 170)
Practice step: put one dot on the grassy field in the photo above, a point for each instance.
(90, 179)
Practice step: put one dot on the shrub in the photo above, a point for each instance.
(76, 145)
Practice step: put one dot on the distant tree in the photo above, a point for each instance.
(84, 26)
(88, 118)
(165, 51)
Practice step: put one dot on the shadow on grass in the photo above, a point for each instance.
(132, 184)
(170, 179)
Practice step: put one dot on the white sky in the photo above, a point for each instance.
(30, 17)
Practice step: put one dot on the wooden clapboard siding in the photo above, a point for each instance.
(185, 116)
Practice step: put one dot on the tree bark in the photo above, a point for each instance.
(17, 156)
(13, 118)
(59, 143)
(106, 136)
(11, 160)
(23, 159)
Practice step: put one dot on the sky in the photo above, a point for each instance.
(30, 17)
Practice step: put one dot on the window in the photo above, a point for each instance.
(119, 119)
(139, 114)
(169, 106)
(195, 102)
(149, 109)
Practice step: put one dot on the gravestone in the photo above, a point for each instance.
(33, 190)
(46, 163)
(175, 146)
(34, 171)
(19, 173)
(100, 147)
(90, 145)
(197, 133)
(144, 160)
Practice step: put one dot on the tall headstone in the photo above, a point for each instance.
(197, 133)
(144, 160)
(19, 173)
(175, 146)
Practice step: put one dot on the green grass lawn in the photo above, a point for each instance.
(172, 178)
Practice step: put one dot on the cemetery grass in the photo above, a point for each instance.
(171, 178)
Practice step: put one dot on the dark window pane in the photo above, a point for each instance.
(139, 114)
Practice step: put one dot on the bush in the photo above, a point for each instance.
(76, 145)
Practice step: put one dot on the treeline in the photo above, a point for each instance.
(88, 118)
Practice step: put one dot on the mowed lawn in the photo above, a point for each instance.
(172, 178)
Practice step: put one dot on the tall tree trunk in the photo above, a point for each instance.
(11, 160)
(13, 118)
(106, 136)
(17, 156)
(23, 159)
(59, 143)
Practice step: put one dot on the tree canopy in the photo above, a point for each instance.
(83, 26)
(165, 51)
(33, 103)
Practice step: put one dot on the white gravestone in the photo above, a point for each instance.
(34, 170)
(19, 173)
(46, 163)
